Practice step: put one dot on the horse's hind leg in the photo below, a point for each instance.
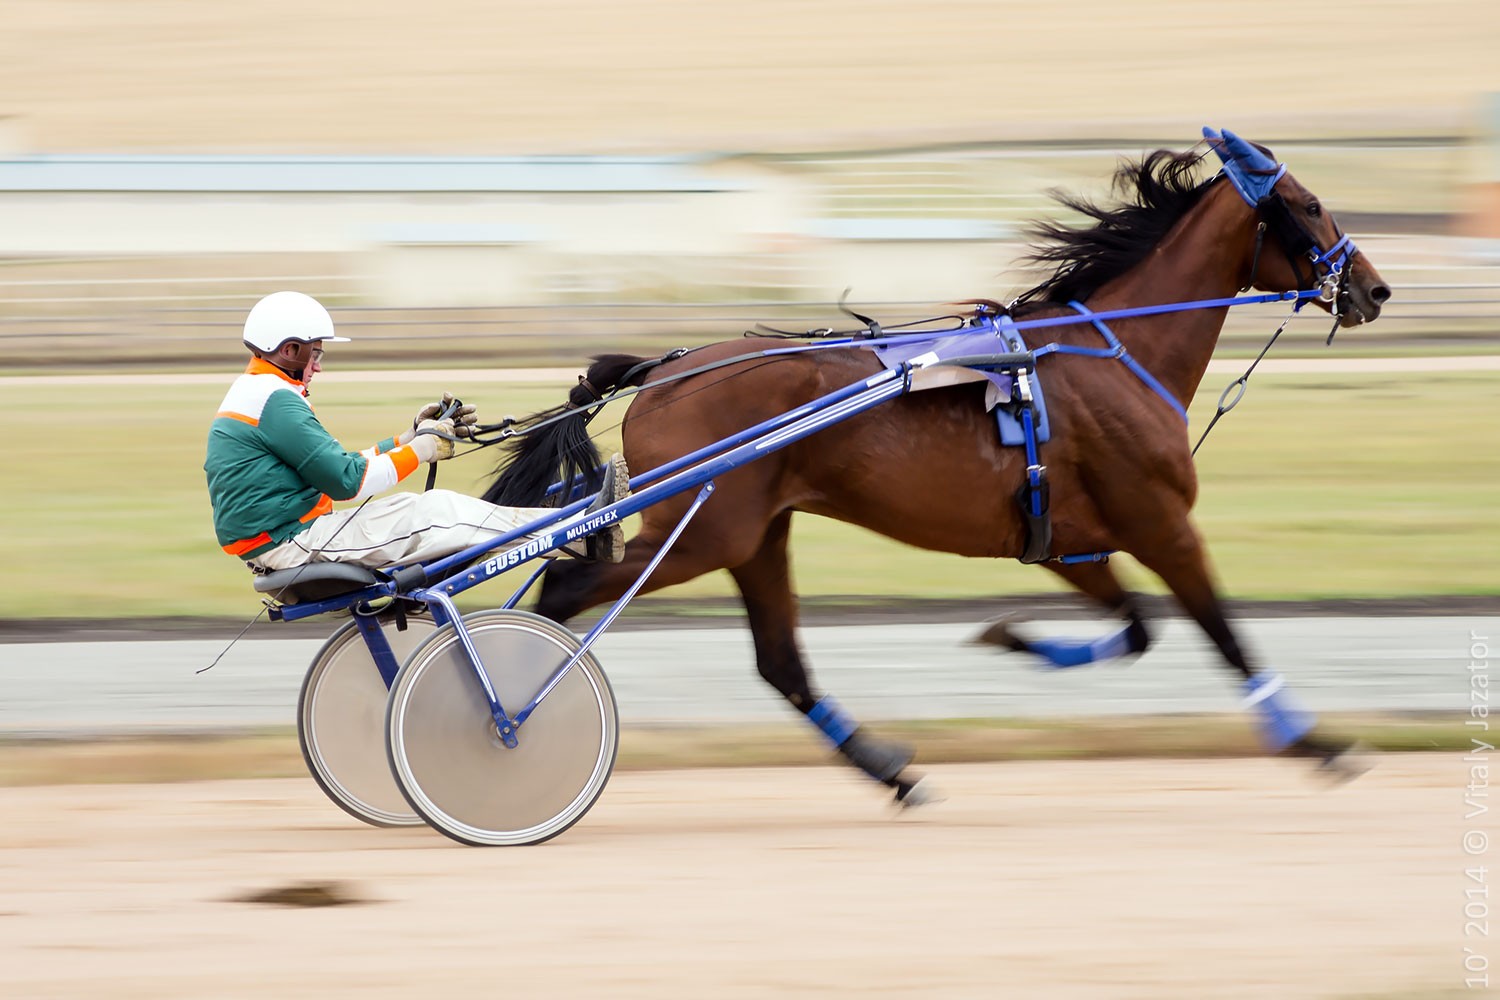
(1182, 563)
(765, 584)
(1098, 581)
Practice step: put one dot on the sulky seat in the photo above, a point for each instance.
(314, 582)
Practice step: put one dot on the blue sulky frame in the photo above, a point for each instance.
(435, 584)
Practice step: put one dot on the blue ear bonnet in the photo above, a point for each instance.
(1252, 172)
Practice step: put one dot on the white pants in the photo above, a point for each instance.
(402, 528)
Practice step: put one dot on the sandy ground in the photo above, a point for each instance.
(592, 75)
(1144, 879)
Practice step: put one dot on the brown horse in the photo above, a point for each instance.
(927, 468)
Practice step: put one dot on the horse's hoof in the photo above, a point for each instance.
(916, 793)
(1337, 760)
(1347, 764)
(998, 633)
(881, 760)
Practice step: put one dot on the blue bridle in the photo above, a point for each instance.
(1254, 176)
(1330, 270)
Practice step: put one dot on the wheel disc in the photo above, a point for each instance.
(341, 724)
(452, 764)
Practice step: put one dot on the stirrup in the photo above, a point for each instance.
(608, 543)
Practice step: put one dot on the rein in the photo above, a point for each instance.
(1329, 269)
(506, 429)
(1243, 382)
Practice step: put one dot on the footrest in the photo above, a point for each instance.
(314, 582)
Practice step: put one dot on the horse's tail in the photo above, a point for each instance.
(562, 451)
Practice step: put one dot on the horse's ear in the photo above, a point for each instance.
(1248, 168)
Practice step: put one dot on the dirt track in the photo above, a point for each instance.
(1064, 880)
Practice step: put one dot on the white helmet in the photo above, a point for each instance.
(283, 316)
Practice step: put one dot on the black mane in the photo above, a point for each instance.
(1157, 191)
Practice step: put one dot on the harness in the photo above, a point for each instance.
(1324, 276)
(997, 327)
(1329, 273)
(1034, 495)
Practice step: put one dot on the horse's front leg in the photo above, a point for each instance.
(1180, 559)
(765, 584)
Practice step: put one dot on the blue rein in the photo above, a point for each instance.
(1115, 350)
(1042, 324)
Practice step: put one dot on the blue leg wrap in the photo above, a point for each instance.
(1282, 723)
(1077, 652)
(829, 716)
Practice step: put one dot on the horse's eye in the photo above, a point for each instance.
(1314, 210)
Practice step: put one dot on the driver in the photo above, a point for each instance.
(274, 472)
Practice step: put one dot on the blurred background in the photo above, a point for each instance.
(490, 192)
(522, 184)
(486, 192)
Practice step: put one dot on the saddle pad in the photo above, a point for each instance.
(1000, 393)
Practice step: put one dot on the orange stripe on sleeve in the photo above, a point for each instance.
(238, 416)
(405, 460)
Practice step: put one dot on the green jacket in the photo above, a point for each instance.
(272, 467)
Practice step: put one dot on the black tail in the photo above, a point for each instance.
(562, 451)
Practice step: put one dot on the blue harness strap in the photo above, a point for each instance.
(1115, 350)
(1024, 420)
(1024, 388)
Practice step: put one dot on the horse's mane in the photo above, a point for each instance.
(1156, 192)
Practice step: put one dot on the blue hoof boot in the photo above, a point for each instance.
(1283, 725)
(1063, 653)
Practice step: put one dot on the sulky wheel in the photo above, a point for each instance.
(448, 757)
(341, 724)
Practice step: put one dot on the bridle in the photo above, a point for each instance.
(1329, 268)
(1330, 275)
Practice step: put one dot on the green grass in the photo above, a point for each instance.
(1315, 486)
(1353, 485)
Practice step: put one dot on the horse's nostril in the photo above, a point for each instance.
(1379, 294)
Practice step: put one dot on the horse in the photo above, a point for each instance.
(927, 469)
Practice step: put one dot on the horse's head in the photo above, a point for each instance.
(1314, 252)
